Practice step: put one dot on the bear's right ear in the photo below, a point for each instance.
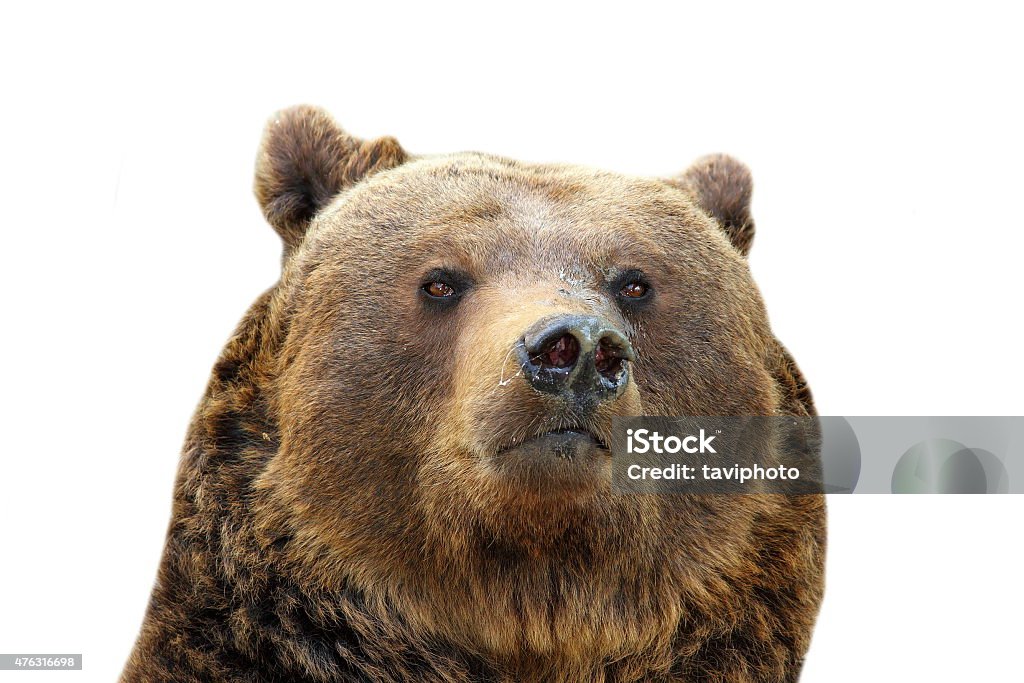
(305, 159)
(722, 187)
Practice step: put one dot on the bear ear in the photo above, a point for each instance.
(722, 187)
(305, 159)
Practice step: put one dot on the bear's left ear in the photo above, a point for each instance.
(306, 159)
(722, 187)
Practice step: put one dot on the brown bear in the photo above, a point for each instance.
(399, 470)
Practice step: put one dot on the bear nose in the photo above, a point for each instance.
(580, 354)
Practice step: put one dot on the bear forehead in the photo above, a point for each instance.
(475, 185)
(463, 203)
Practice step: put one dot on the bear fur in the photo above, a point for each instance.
(342, 511)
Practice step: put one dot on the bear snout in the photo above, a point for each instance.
(582, 356)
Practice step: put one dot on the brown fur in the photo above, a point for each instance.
(343, 511)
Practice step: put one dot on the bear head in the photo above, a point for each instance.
(436, 375)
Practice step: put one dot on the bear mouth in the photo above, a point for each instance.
(554, 463)
(558, 439)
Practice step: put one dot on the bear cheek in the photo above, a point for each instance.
(491, 401)
(713, 374)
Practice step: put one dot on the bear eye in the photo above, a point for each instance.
(634, 290)
(442, 288)
(439, 290)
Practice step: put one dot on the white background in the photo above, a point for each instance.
(886, 147)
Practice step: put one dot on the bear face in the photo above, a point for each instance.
(419, 413)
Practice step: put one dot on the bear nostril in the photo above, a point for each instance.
(608, 358)
(560, 353)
